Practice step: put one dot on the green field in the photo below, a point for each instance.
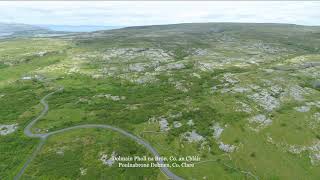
(245, 98)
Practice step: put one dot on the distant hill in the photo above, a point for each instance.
(17, 30)
(206, 35)
(80, 28)
(8, 28)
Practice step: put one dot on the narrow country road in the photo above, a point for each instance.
(43, 137)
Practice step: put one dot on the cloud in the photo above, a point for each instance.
(111, 13)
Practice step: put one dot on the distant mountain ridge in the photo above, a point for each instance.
(15, 30)
(78, 28)
(8, 30)
(13, 27)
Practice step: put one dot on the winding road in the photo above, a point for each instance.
(43, 137)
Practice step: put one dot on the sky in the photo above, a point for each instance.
(134, 13)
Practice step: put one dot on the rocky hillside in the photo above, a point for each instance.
(245, 98)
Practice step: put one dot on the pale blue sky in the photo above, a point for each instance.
(107, 13)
